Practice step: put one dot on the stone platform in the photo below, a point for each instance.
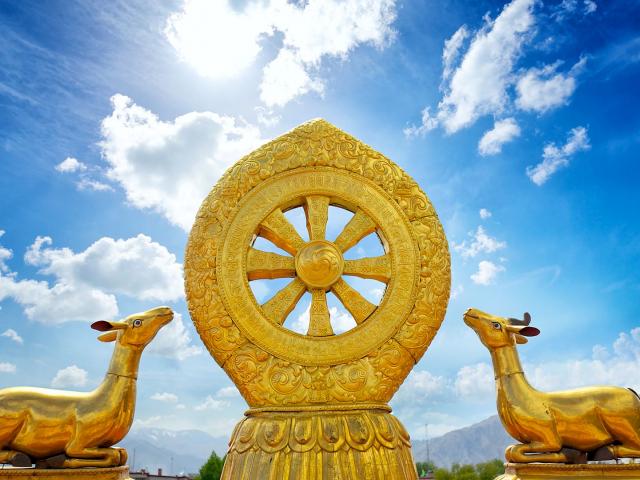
(115, 473)
(549, 471)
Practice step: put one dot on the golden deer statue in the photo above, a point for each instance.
(61, 429)
(572, 426)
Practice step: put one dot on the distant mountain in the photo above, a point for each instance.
(474, 444)
(186, 450)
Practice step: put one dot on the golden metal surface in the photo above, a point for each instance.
(63, 429)
(547, 471)
(282, 374)
(572, 426)
(113, 473)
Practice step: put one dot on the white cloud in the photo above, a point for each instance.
(429, 122)
(554, 158)
(85, 282)
(95, 185)
(71, 376)
(484, 213)
(174, 341)
(11, 334)
(165, 397)
(424, 383)
(456, 292)
(503, 132)
(482, 243)
(479, 85)
(286, 78)
(220, 41)
(6, 367)
(487, 272)
(227, 392)
(451, 50)
(137, 267)
(475, 380)
(590, 6)
(5, 254)
(70, 164)
(211, 403)
(171, 166)
(542, 89)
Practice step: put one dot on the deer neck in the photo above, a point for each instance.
(506, 363)
(125, 361)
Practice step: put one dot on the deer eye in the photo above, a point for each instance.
(496, 325)
(137, 322)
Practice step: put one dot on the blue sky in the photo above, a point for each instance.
(518, 119)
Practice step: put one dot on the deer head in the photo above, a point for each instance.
(136, 330)
(497, 332)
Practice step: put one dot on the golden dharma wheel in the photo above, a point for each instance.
(303, 377)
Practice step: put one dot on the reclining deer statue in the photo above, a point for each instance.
(61, 429)
(572, 426)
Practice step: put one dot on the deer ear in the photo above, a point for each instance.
(109, 336)
(520, 339)
(529, 332)
(102, 326)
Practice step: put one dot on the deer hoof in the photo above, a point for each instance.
(574, 456)
(602, 454)
(20, 460)
(56, 462)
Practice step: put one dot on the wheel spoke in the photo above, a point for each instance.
(319, 323)
(316, 209)
(281, 304)
(278, 230)
(376, 268)
(358, 306)
(358, 227)
(269, 265)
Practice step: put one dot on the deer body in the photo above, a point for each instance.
(76, 429)
(601, 422)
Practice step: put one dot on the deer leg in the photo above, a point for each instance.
(79, 457)
(17, 459)
(542, 452)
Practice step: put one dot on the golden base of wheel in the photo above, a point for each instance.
(552, 471)
(115, 473)
(320, 444)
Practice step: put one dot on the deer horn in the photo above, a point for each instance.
(525, 322)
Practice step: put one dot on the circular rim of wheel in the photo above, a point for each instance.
(375, 325)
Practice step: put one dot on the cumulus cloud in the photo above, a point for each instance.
(484, 213)
(70, 164)
(481, 243)
(170, 166)
(429, 122)
(542, 89)
(94, 185)
(174, 341)
(478, 86)
(487, 272)
(227, 392)
(475, 380)
(5, 254)
(71, 376)
(86, 283)
(211, 403)
(165, 397)
(6, 367)
(503, 131)
(555, 158)
(451, 50)
(12, 335)
(221, 41)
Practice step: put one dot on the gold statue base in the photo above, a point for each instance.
(550, 471)
(330, 444)
(115, 473)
